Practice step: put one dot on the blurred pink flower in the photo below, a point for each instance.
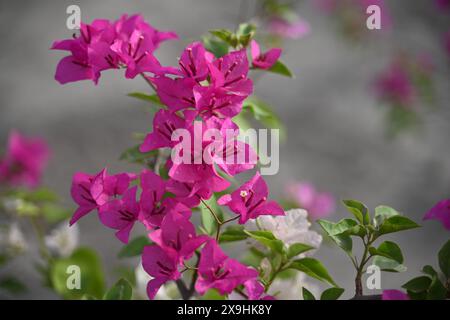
(442, 4)
(395, 85)
(24, 160)
(394, 295)
(447, 43)
(441, 212)
(287, 29)
(317, 204)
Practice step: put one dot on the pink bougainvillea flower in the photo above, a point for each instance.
(90, 53)
(213, 101)
(24, 160)
(190, 193)
(177, 94)
(441, 212)
(126, 27)
(178, 233)
(255, 290)
(93, 191)
(135, 57)
(194, 62)
(162, 265)
(121, 214)
(286, 29)
(250, 200)
(394, 295)
(200, 177)
(117, 184)
(317, 204)
(230, 72)
(103, 45)
(216, 270)
(164, 124)
(230, 154)
(395, 85)
(135, 42)
(153, 205)
(264, 60)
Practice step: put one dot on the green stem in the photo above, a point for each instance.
(359, 272)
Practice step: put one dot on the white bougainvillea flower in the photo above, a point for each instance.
(12, 239)
(63, 239)
(290, 228)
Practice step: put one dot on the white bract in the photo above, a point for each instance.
(291, 228)
(12, 239)
(63, 239)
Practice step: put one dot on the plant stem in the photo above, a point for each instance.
(360, 269)
(183, 289)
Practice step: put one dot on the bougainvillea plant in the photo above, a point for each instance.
(208, 89)
(190, 202)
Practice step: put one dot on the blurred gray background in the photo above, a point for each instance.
(336, 130)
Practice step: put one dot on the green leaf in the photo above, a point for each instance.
(12, 285)
(213, 294)
(343, 241)
(28, 209)
(41, 195)
(359, 210)
(153, 98)
(332, 294)
(263, 113)
(120, 291)
(233, 233)
(307, 295)
(91, 275)
(208, 220)
(396, 224)
(245, 33)
(297, 248)
(429, 270)
(314, 268)
(54, 213)
(389, 265)
(382, 213)
(267, 239)
(281, 69)
(418, 284)
(225, 35)
(444, 259)
(88, 297)
(437, 291)
(217, 47)
(134, 155)
(389, 250)
(134, 247)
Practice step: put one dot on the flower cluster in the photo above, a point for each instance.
(202, 92)
(128, 42)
